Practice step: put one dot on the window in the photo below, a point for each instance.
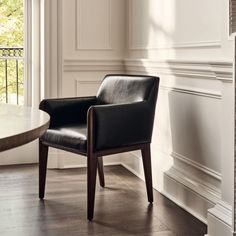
(12, 51)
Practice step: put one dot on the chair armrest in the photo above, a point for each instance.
(120, 125)
(67, 110)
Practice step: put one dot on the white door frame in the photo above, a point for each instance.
(32, 47)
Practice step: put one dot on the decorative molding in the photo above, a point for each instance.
(177, 184)
(194, 170)
(192, 91)
(221, 70)
(200, 167)
(114, 65)
(219, 219)
(183, 45)
(190, 69)
(78, 26)
(88, 87)
(205, 197)
(97, 82)
(178, 45)
(223, 211)
(206, 183)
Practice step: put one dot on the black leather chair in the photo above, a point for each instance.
(119, 119)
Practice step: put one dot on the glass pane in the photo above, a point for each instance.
(11, 51)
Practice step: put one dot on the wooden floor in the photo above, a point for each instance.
(121, 208)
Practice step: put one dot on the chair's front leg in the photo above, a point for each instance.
(43, 158)
(92, 163)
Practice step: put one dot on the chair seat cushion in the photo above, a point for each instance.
(71, 136)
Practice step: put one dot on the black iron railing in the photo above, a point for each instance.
(11, 75)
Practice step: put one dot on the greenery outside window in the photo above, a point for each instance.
(12, 51)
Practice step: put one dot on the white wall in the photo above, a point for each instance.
(156, 27)
(186, 43)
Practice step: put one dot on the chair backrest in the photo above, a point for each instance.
(127, 89)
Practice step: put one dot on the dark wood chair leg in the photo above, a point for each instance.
(101, 172)
(91, 184)
(147, 166)
(43, 158)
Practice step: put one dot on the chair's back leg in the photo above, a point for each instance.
(91, 183)
(101, 172)
(43, 157)
(146, 156)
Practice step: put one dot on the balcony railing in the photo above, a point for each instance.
(11, 75)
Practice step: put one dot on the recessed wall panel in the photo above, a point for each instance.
(93, 25)
(157, 24)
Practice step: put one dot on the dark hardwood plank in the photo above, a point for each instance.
(121, 207)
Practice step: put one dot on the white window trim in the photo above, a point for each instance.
(32, 53)
(42, 54)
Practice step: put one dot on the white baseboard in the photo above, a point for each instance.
(188, 193)
(58, 159)
(219, 220)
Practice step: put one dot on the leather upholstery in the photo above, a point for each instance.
(67, 110)
(122, 115)
(121, 125)
(72, 136)
(116, 89)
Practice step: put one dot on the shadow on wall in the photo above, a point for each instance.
(151, 27)
(156, 33)
(162, 27)
(186, 136)
(194, 131)
(186, 126)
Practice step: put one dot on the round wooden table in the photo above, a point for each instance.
(20, 125)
